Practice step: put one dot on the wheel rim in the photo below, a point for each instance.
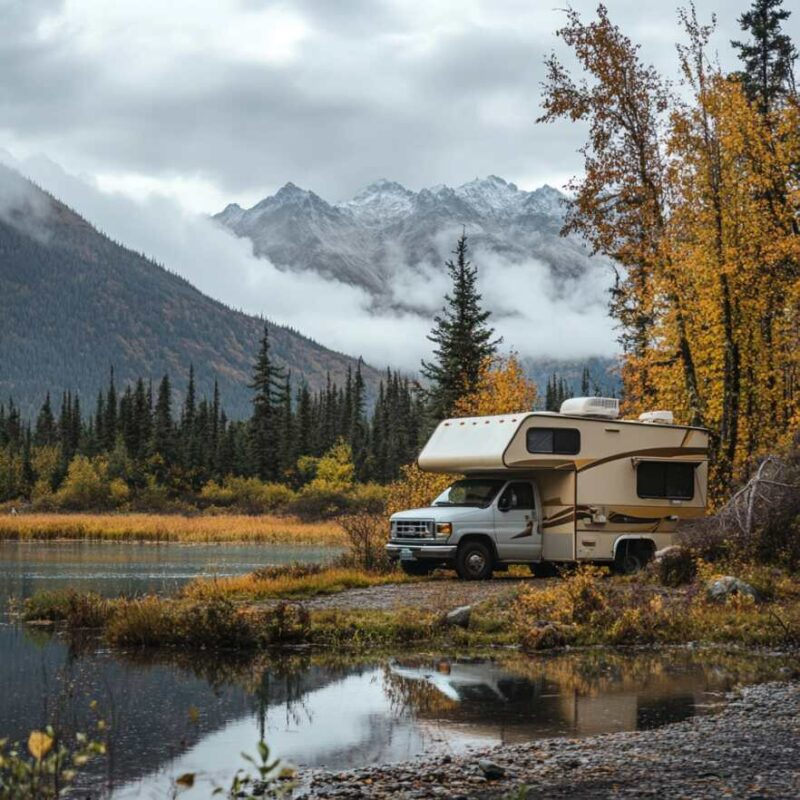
(475, 562)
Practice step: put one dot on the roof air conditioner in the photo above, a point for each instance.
(591, 407)
(662, 417)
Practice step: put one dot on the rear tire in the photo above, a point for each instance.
(474, 562)
(416, 568)
(632, 557)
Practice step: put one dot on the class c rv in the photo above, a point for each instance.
(544, 489)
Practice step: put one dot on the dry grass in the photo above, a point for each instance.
(170, 528)
(294, 582)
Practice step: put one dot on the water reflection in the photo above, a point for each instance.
(179, 713)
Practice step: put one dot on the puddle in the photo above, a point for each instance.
(190, 714)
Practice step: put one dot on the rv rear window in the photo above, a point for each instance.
(559, 441)
(664, 479)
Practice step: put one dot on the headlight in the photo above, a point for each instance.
(444, 528)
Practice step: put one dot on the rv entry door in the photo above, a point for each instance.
(516, 522)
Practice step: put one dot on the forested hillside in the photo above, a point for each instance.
(73, 303)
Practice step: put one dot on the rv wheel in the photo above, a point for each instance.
(632, 557)
(474, 562)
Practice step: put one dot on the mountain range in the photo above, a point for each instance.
(388, 237)
(387, 228)
(73, 303)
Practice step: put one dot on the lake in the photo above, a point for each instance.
(174, 712)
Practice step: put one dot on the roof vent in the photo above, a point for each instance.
(591, 407)
(660, 417)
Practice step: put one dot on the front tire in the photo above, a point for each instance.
(416, 568)
(474, 562)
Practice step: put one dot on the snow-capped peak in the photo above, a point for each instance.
(491, 195)
(380, 201)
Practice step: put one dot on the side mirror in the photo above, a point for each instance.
(504, 504)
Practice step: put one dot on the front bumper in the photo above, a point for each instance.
(416, 551)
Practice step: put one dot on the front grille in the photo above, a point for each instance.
(412, 529)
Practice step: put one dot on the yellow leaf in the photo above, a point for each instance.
(186, 780)
(194, 715)
(39, 744)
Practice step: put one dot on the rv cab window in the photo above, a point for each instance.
(673, 481)
(518, 495)
(559, 441)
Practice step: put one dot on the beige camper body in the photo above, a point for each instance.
(591, 499)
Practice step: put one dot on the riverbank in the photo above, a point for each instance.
(195, 529)
(285, 605)
(749, 749)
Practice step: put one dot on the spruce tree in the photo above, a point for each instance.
(462, 339)
(162, 443)
(45, 424)
(267, 384)
(768, 56)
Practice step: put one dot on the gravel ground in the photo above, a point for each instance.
(751, 749)
(443, 594)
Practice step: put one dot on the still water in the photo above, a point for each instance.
(173, 712)
(113, 568)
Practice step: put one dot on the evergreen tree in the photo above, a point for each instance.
(110, 413)
(463, 340)
(267, 384)
(769, 55)
(162, 443)
(304, 422)
(45, 425)
(585, 382)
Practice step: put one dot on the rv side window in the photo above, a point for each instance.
(559, 441)
(663, 479)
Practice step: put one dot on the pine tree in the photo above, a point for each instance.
(45, 425)
(769, 56)
(110, 411)
(585, 382)
(304, 422)
(463, 340)
(163, 443)
(267, 384)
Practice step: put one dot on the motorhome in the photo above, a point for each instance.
(545, 488)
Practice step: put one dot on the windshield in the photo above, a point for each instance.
(477, 492)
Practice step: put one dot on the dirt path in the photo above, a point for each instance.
(444, 594)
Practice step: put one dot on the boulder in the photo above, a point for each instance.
(720, 589)
(458, 617)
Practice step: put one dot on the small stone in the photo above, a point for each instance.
(459, 617)
(491, 770)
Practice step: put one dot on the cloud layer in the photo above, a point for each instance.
(533, 317)
(212, 100)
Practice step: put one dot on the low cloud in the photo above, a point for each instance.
(534, 317)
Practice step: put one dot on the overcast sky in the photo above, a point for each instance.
(142, 113)
(219, 100)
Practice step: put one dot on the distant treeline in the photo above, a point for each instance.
(143, 438)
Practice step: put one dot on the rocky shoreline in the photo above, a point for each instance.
(750, 749)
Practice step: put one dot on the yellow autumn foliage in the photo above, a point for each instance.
(503, 388)
(698, 200)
